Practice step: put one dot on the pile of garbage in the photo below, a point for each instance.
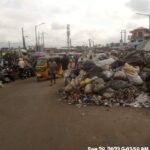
(109, 82)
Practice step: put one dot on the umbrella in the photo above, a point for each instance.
(39, 54)
(23, 51)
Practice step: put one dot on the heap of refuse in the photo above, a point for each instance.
(108, 82)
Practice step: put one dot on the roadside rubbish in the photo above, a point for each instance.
(105, 81)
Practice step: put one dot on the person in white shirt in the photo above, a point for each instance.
(21, 65)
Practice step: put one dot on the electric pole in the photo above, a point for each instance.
(148, 15)
(68, 36)
(70, 43)
(9, 45)
(90, 43)
(123, 32)
(43, 37)
(23, 39)
(36, 38)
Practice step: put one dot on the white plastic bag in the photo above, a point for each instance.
(120, 75)
(105, 62)
(134, 78)
(88, 89)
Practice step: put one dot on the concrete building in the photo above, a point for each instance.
(139, 34)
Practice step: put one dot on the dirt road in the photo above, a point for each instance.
(32, 118)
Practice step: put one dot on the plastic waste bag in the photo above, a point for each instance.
(130, 69)
(105, 62)
(107, 75)
(120, 75)
(109, 93)
(134, 78)
(68, 88)
(118, 84)
(88, 89)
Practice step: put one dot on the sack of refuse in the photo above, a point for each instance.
(98, 85)
(106, 75)
(97, 88)
(67, 73)
(109, 93)
(117, 64)
(82, 74)
(91, 69)
(120, 75)
(86, 81)
(68, 88)
(145, 76)
(130, 69)
(77, 81)
(105, 67)
(105, 62)
(118, 84)
(88, 89)
(73, 83)
(134, 78)
(99, 81)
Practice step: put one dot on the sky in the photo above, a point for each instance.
(99, 20)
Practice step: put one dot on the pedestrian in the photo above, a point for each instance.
(65, 62)
(21, 65)
(52, 71)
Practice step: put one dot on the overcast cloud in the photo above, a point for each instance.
(99, 20)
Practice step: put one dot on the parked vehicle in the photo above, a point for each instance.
(42, 67)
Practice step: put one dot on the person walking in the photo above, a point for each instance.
(52, 71)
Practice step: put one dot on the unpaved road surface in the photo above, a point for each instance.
(32, 118)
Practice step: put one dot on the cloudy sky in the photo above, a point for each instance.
(100, 20)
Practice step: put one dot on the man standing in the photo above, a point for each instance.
(52, 71)
(21, 65)
(65, 62)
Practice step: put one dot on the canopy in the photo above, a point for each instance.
(39, 54)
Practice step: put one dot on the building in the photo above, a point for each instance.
(139, 34)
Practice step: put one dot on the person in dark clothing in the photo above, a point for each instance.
(65, 62)
(52, 71)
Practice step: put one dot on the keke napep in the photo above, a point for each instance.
(42, 67)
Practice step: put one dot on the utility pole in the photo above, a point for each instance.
(121, 40)
(38, 44)
(148, 15)
(9, 45)
(36, 38)
(89, 43)
(70, 43)
(93, 44)
(43, 37)
(68, 36)
(123, 32)
(23, 39)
